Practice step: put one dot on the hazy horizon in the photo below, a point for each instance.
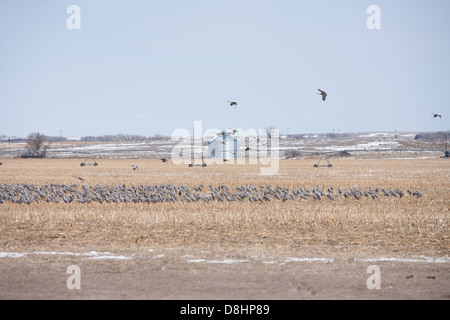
(207, 133)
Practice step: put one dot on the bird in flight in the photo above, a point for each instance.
(135, 167)
(78, 178)
(323, 94)
(435, 115)
(233, 104)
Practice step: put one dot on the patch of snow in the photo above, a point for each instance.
(12, 255)
(310, 260)
(227, 261)
(110, 257)
(89, 255)
(421, 259)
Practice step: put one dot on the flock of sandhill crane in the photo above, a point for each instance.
(29, 193)
(23, 193)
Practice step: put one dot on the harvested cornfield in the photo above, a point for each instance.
(388, 202)
(202, 229)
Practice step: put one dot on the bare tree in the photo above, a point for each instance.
(269, 131)
(35, 146)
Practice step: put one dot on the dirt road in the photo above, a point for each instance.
(219, 273)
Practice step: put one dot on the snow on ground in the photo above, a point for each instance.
(154, 149)
(377, 145)
(94, 255)
(89, 255)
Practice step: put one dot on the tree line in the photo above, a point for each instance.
(38, 143)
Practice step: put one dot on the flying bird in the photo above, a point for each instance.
(135, 167)
(164, 160)
(435, 115)
(323, 94)
(78, 178)
(233, 104)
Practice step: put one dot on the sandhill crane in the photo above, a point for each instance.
(435, 115)
(418, 193)
(323, 94)
(233, 104)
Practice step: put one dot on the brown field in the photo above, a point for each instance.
(344, 229)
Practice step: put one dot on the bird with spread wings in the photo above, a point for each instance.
(435, 115)
(233, 104)
(323, 94)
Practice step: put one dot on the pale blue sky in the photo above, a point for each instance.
(150, 67)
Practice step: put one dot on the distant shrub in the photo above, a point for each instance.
(289, 154)
(35, 146)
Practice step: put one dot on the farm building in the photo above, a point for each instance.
(223, 146)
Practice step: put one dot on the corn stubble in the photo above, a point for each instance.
(419, 225)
